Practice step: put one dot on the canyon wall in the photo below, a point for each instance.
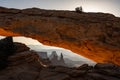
(93, 35)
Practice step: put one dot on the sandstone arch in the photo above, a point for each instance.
(93, 35)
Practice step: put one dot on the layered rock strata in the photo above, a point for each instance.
(93, 35)
(24, 64)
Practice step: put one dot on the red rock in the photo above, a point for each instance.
(23, 66)
(93, 35)
(26, 65)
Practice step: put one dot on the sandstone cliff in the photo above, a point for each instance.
(93, 35)
(24, 64)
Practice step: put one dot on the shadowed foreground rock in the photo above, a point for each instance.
(93, 35)
(6, 50)
(26, 65)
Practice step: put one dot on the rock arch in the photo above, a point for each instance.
(93, 35)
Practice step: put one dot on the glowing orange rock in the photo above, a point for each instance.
(93, 35)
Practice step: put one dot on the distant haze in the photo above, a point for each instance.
(66, 53)
(30, 41)
(37, 46)
(107, 6)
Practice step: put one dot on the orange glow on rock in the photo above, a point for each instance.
(91, 35)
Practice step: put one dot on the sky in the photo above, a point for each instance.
(30, 41)
(107, 6)
(35, 45)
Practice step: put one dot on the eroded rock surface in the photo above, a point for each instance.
(27, 65)
(6, 50)
(93, 35)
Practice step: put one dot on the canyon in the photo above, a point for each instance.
(18, 62)
(92, 35)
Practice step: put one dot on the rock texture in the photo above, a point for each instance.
(22, 66)
(93, 35)
(17, 62)
(26, 65)
(9, 48)
(56, 60)
(6, 49)
(19, 47)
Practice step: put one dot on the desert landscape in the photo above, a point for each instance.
(59, 40)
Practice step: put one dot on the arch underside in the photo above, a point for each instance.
(92, 35)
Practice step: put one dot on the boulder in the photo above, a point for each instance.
(20, 47)
(22, 66)
(6, 50)
(85, 67)
(105, 66)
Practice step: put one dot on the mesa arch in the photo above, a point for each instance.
(93, 35)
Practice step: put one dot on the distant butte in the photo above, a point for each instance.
(93, 35)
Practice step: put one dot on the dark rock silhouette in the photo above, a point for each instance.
(54, 58)
(61, 60)
(6, 50)
(43, 55)
(27, 65)
(44, 58)
(53, 55)
(20, 47)
(56, 61)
